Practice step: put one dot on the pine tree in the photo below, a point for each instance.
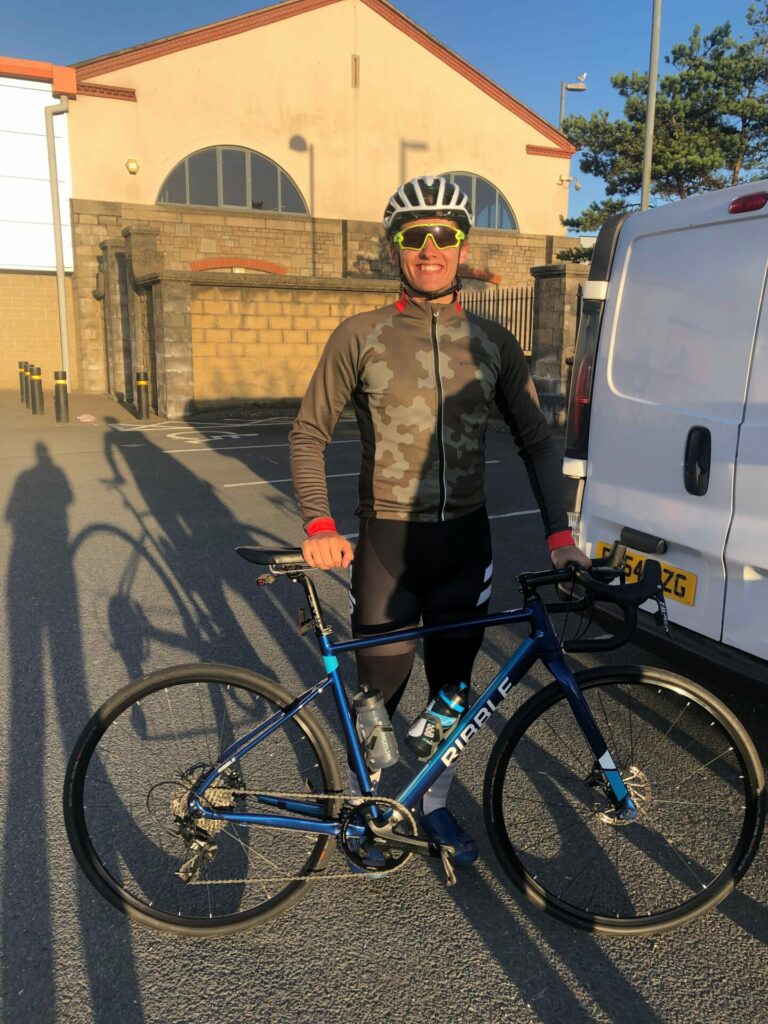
(711, 126)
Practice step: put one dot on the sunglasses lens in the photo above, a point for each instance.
(443, 235)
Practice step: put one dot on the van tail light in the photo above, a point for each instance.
(582, 380)
(582, 399)
(748, 203)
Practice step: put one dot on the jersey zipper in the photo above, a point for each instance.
(441, 459)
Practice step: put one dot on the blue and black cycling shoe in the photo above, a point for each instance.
(441, 826)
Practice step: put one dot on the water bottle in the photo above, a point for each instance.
(374, 729)
(437, 719)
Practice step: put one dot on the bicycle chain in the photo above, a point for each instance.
(320, 876)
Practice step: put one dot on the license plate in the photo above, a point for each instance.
(678, 584)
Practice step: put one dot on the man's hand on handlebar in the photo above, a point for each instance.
(562, 557)
(327, 550)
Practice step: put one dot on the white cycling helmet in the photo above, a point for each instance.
(428, 197)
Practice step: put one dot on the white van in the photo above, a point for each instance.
(667, 435)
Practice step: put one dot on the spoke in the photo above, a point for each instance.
(202, 719)
(585, 811)
(663, 736)
(562, 742)
(558, 831)
(576, 876)
(252, 863)
(669, 846)
(701, 767)
(614, 747)
(174, 727)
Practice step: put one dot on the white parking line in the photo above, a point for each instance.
(203, 424)
(508, 515)
(330, 476)
(284, 480)
(233, 447)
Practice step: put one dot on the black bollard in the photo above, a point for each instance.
(60, 396)
(27, 389)
(142, 395)
(21, 381)
(36, 381)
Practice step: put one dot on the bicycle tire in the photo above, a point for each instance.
(145, 746)
(575, 861)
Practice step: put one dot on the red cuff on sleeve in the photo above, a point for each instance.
(319, 526)
(561, 539)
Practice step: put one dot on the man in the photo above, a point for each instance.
(422, 374)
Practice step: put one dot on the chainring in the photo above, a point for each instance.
(356, 850)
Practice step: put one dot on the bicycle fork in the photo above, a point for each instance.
(626, 808)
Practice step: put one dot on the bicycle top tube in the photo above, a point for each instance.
(595, 581)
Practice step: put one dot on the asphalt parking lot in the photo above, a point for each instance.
(118, 559)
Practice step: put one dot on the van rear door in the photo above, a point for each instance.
(669, 395)
(746, 553)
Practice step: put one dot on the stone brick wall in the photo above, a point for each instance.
(29, 327)
(264, 343)
(509, 256)
(555, 307)
(304, 248)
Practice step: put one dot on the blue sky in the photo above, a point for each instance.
(528, 48)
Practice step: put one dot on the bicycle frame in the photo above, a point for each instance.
(542, 645)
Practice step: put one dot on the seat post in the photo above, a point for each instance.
(312, 600)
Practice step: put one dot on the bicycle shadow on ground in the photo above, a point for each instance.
(190, 535)
(47, 707)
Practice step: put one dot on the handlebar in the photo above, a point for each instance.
(627, 596)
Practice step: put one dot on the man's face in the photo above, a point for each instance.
(431, 269)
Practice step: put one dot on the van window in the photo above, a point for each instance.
(686, 323)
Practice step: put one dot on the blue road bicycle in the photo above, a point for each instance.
(206, 799)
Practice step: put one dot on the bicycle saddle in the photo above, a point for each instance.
(285, 557)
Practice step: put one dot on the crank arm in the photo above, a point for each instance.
(411, 844)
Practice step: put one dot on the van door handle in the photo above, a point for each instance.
(698, 454)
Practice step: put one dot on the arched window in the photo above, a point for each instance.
(233, 177)
(490, 207)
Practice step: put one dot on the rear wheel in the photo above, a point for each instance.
(691, 769)
(126, 789)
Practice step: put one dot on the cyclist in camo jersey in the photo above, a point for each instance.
(422, 375)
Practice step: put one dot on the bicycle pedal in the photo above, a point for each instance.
(445, 857)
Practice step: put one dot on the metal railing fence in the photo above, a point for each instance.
(510, 307)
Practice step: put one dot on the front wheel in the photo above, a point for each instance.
(126, 801)
(691, 769)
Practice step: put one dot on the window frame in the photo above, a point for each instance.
(220, 204)
(500, 198)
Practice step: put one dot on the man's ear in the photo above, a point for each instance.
(464, 252)
(393, 254)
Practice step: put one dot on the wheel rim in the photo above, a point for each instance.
(130, 786)
(560, 838)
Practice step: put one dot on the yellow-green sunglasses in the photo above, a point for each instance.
(443, 236)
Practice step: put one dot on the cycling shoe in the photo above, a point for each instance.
(441, 826)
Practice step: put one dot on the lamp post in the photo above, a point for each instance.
(650, 117)
(578, 86)
(300, 145)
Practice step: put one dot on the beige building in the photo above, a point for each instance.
(267, 145)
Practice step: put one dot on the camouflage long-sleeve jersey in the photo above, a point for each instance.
(421, 378)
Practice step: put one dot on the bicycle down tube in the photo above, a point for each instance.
(540, 646)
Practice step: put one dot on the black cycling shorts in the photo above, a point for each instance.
(404, 573)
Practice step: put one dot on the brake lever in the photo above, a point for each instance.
(662, 616)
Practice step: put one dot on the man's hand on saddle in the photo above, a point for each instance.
(570, 553)
(327, 550)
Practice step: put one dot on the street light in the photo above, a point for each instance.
(579, 85)
(300, 145)
(653, 71)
